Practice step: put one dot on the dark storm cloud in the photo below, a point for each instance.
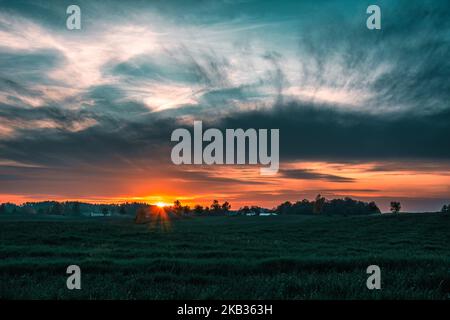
(208, 176)
(306, 132)
(108, 141)
(310, 132)
(417, 166)
(304, 174)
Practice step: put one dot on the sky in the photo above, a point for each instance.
(87, 114)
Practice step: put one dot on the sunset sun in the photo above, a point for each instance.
(161, 204)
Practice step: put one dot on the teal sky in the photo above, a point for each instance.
(355, 107)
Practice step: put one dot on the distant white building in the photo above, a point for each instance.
(266, 214)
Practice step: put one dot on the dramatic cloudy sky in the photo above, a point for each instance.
(87, 114)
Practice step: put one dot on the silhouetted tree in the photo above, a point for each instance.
(215, 206)
(186, 210)
(319, 204)
(198, 209)
(56, 209)
(177, 207)
(373, 208)
(302, 207)
(226, 206)
(395, 207)
(256, 209)
(122, 209)
(445, 208)
(2, 208)
(76, 208)
(141, 215)
(284, 208)
(244, 210)
(28, 209)
(105, 211)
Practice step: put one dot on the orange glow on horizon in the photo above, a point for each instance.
(242, 185)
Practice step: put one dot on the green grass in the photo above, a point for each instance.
(284, 257)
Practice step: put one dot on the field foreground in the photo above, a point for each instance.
(283, 257)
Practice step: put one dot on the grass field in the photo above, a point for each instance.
(283, 257)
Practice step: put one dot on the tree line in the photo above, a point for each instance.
(70, 208)
(320, 205)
